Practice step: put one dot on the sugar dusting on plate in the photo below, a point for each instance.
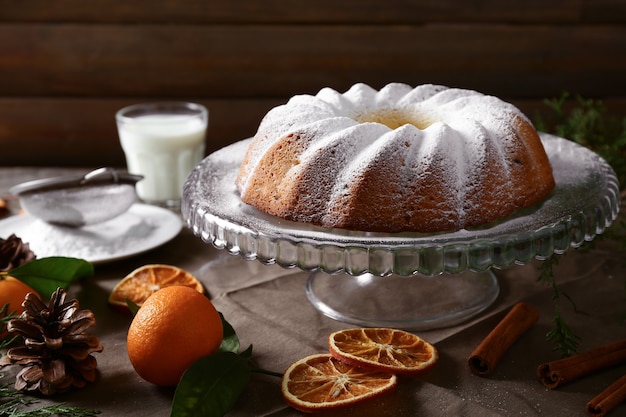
(140, 229)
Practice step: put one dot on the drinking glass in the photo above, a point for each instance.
(162, 141)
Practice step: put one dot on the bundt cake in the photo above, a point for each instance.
(425, 159)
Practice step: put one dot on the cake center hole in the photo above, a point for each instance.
(394, 119)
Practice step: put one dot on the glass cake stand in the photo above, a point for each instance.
(405, 280)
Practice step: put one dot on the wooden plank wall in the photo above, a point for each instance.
(66, 66)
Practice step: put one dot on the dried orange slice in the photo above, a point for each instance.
(320, 382)
(389, 350)
(145, 280)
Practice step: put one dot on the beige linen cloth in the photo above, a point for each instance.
(268, 308)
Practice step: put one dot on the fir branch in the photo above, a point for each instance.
(14, 404)
(561, 335)
(564, 339)
(5, 317)
(11, 399)
(588, 124)
(60, 410)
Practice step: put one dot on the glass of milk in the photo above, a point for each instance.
(163, 142)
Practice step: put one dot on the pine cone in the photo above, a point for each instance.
(56, 354)
(14, 252)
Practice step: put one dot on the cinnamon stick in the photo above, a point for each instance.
(488, 354)
(562, 371)
(608, 399)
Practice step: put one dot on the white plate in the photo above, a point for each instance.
(141, 228)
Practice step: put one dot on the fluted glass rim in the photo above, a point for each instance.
(213, 211)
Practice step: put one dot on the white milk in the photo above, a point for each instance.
(164, 149)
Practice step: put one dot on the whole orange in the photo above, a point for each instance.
(172, 329)
(13, 291)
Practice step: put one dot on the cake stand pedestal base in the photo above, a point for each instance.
(410, 303)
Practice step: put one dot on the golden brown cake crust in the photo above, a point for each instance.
(425, 159)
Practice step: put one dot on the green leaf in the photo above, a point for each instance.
(45, 275)
(211, 386)
(133, 307)
(247, 353)
(230, 341)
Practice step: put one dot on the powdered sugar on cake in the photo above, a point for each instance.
(423, 159)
